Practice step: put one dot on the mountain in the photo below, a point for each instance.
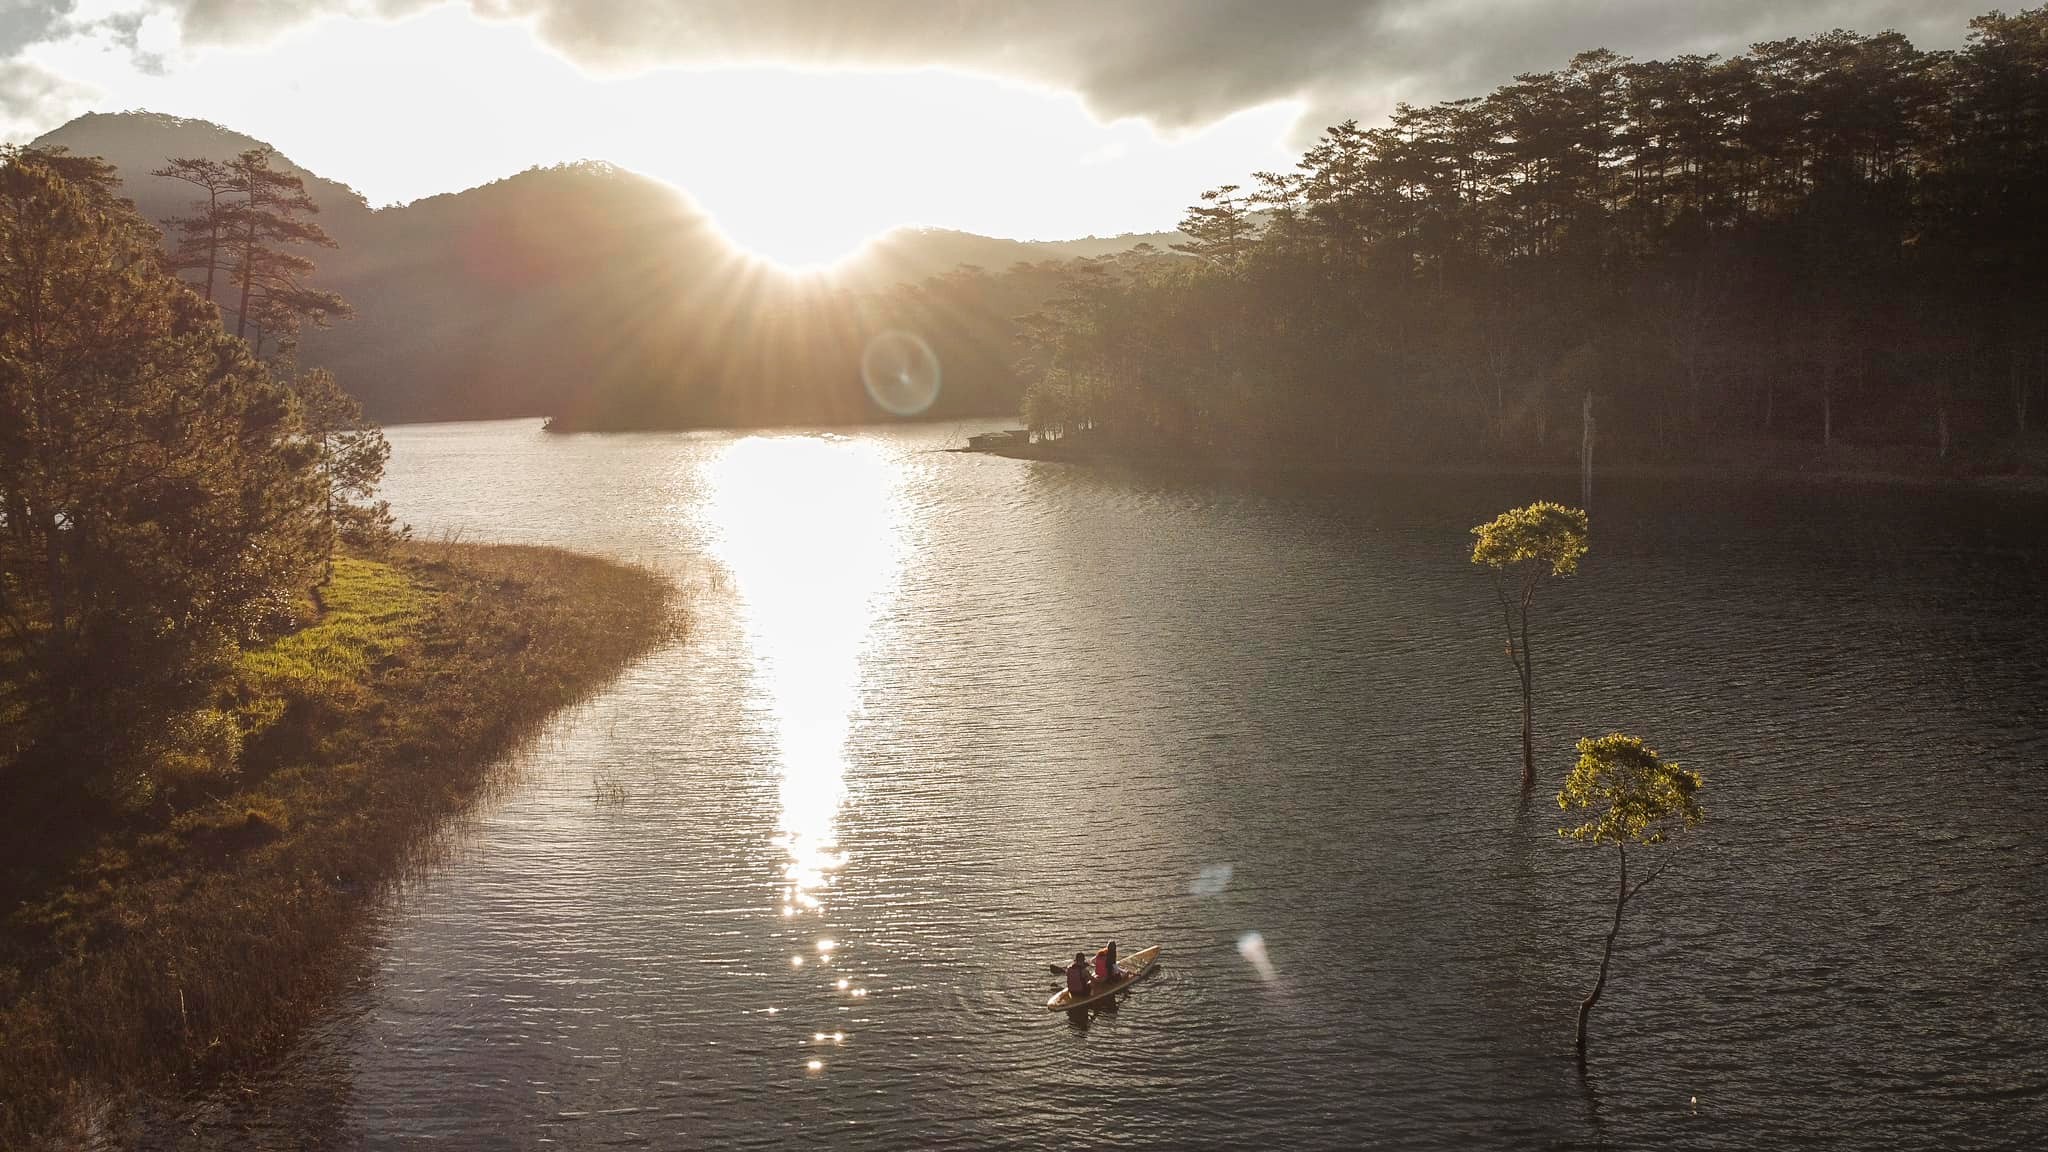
(916, 253)
(606, 299)
(139, 142)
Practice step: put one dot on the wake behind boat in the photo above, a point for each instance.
(1130, 970)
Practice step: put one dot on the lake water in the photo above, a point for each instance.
(942, 719)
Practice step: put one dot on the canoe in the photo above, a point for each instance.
(1133, 968)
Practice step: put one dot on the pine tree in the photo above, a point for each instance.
(160, 501)
(248, 229)
(202, 235)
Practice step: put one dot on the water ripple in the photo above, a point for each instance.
(1044, 705)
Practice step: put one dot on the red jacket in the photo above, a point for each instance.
(1077, 980)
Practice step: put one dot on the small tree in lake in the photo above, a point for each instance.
(1523, 546)
(1634, 798)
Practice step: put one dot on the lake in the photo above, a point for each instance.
(942, 719)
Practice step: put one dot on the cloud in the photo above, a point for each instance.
(1184, 63)
(25, 22)
(31, 99)
(243, 22)
(1175, 63)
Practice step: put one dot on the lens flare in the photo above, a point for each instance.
(1214, 879)
(1252, 947)
(901, 372)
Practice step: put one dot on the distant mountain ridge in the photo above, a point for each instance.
(550, 290)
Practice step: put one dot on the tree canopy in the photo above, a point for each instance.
(1551, 536)
(1631, 795)
(158, 501)
(1820, 241)
(248, 229)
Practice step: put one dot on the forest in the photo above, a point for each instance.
(1828, 249)
(1822, 252)
(235, 697)
(168, 495)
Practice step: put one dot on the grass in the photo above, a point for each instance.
(369, 610)
(151, 956)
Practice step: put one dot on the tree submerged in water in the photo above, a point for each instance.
(1522, 546)
(1635, 798)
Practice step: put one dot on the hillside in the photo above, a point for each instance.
(913, 254)
(139, 142)
(592, 293)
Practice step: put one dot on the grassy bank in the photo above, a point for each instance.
(151, 952)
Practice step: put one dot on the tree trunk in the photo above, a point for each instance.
(53, 572)
(2020, 388)
(1528, 671)
(1827, 405)
(1586, 454)
(248, 280)
(327, 504)
(212, 242)
(1606, 956)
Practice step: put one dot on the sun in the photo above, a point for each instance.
(795, 244)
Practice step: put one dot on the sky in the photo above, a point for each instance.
(807, 126)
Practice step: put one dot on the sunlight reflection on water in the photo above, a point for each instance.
(1245, 710)
(808, 527)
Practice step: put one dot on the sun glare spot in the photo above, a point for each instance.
(807, 526)
(791, 250)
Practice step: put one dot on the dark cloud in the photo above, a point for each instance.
(1177, 63)
(1188, 62)
(25, 22)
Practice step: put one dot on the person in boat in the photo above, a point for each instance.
(1105, 962)
(1077, 977)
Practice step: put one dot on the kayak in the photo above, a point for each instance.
(1130, 970)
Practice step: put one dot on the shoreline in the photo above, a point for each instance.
(151, 956)
(1817, 474)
